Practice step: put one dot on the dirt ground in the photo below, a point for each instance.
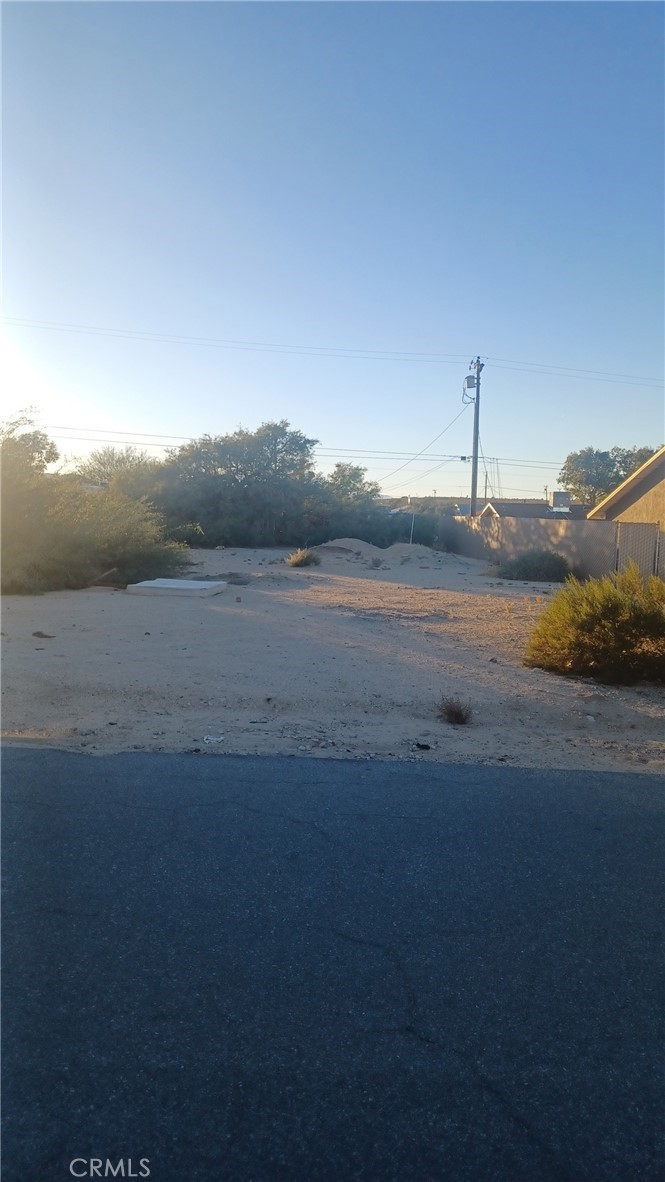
(348, 659)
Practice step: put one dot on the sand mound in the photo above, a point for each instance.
(397, 552)
(353, 546)
(407, 550)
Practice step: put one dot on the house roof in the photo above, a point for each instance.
(630, 484)
(534, 508)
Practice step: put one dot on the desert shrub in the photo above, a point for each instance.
(69, 537)
(302, 558)
(455, 711)
(536, 566)
(612, 629)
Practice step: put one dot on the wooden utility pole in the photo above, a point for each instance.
(473, 383)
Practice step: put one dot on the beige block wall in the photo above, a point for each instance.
(590, 547)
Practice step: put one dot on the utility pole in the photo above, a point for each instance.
(472, 382)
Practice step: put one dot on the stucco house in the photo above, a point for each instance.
(640, 498)
(554, 508)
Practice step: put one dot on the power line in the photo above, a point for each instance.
(424, 449)
(487, 477)
(577, 370)
(112, 431)
(434, 358)
(419, 476)
(247, 346)
(584, 375)
(92, 439)
(416, 476)
(500, 495)
(537, 465)
(324, 453)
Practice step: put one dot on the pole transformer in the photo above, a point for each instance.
(472, 382)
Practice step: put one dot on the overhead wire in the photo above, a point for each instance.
(574, 369)
(424, 449)
(131, 438)
(498, 483)
(420, 476)
(417, 476)
(545, 369)
(480, 446)
(247, 346)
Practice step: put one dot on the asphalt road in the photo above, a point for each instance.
(252, 970)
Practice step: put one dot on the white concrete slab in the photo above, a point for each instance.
(192, 587)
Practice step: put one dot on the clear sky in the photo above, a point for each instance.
(347, 201)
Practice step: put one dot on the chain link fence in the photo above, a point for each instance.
(640, 544)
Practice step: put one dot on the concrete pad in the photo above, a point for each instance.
(191, 587)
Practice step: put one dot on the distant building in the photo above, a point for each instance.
(557, 507)
(640, 498)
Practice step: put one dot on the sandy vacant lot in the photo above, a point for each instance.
(340, 660)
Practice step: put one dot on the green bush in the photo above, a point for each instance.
(612, 629)
(64, 537)
(303, 558)
(536, 566)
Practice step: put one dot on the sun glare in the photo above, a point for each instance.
(24, 386)
(28, 391)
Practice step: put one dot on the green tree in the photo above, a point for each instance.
(24, 449)
(590, 474)
(353, 507)
(347, 483)
(629, 459)
(273, 452)
(248, 488)
(102, 465)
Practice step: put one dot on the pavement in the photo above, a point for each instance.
(239, 969)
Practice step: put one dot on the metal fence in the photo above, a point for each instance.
(640, 544)
(592, 548)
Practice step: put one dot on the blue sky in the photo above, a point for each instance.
(377, 192)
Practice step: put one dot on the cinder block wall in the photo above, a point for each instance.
(592, 548)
